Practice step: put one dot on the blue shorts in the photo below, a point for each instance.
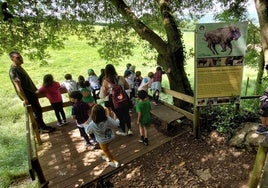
(156, 86)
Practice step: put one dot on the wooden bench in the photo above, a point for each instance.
(165, 114)
(49, 107)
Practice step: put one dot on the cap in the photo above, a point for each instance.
(90, 71)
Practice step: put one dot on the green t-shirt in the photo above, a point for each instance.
(144, 107)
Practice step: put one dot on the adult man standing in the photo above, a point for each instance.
(26, 89)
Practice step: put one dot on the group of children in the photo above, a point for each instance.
(92, 118)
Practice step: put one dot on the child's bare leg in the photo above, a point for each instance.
(107, 111)
(264, 121)
(145, 132)
(141, 130)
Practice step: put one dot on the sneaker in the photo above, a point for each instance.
(87, 144)
(121, 133)
(114, 164)
(44, 131)
(145, 142)
(117, 121)
(155, 103)
(96, 146)
(51, 128)
(262, 130)
(105, 158)
(60, 124)
(64, 122)
(129, 132)
(141, 140)
(48, 129)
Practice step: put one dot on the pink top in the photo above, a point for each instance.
(52, 92)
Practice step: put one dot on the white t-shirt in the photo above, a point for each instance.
(70, 85)
(94, 82)
(145, 84)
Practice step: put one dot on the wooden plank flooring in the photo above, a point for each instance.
(67, 163)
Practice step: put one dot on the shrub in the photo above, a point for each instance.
(225, 119)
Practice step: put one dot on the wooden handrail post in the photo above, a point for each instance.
(37, 167)
(34, 124)
(196, 122)
(29, 143)
(258, 166)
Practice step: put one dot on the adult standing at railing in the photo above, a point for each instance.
(26, 89)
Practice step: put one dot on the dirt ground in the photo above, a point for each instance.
(189, 162)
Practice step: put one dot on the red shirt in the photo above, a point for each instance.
(157, 76)
(52, 92)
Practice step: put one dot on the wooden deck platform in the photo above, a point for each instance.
(67, 163)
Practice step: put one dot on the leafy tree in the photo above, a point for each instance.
(257, 49)
(262, 11)
(36, 25)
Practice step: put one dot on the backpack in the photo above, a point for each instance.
(118, 97)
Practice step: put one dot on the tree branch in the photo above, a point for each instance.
(173, 32)
(143, 31)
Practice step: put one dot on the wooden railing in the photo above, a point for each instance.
(182, 97)
(45, 109)
(33, 138)
(195, 116)
(49, 107)
(191, 116)
(33, 161)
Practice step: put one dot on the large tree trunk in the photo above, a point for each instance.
(170, 52)
(262, 10)
(178, 79)
(258, 86)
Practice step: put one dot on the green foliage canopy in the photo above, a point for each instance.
(37, 25)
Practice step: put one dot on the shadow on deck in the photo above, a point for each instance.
(66, 162)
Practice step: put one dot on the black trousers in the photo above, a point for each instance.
(124, 117)
(59, 112)
(37, 111)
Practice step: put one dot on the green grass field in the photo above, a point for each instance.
(76, 59)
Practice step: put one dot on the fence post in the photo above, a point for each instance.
(196, 127)
(34, 124)
(258, 166)
(37, 168)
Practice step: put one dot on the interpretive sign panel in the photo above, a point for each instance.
(220, 50)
